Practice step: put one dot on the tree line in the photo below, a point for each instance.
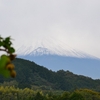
(15, 93)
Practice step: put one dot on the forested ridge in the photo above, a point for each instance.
(29, 74)
(35, 82)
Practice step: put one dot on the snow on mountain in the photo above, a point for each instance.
(74, 61)
(60, 52)
(82, 66)
(40, 51)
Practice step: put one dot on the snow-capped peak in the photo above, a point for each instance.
(40, 51)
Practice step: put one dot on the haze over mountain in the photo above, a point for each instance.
(62, 26)
(61, 29)
(83, 65)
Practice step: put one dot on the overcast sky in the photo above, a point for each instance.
(59, 25)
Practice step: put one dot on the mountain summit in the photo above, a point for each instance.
(61, 51)
(40, 51)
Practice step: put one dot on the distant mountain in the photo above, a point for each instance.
(40, 51)
(87, 66)
(31, 75)
(61, 51)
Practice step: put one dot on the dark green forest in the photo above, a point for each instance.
(29, 74)
(35, 82)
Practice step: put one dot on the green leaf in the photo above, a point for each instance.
(11, 50)
(3, 61)
(7, 43)
(7, 39)
(5, 73)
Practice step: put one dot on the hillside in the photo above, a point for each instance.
(82, 66)
(31, 75)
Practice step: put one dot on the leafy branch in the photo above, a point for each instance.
(6, 44)
(6, 67)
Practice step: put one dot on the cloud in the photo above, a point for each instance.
(63, 25)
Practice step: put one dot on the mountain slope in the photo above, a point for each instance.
(84, 66)
(30, 75)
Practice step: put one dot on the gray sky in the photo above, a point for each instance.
(59, 25)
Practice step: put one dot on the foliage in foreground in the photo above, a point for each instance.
(14, 93)
(6, 66)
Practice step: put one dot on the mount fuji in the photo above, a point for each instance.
(78, 63)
